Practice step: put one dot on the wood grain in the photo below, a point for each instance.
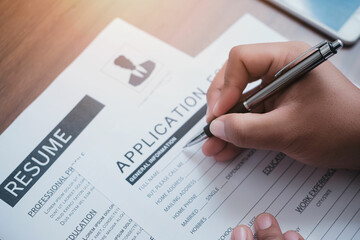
(40, 38)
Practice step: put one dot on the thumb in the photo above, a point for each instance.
(267, 228)
(254, 130)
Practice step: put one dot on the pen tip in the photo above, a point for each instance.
(202, 136)
(187, 145)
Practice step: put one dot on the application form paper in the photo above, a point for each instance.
(181, 194)
(41, 194)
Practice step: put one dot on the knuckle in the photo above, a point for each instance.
(235, 52)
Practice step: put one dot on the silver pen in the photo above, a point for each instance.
(316, 55)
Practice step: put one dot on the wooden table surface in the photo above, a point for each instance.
(40, 38)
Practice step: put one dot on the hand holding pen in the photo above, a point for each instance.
(314, 120)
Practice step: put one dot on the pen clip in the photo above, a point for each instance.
(317, 46)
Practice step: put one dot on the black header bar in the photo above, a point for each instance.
(19, 182)
(165, 147)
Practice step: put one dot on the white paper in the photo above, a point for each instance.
(116, 74)
(181, 194)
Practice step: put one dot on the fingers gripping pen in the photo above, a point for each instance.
(286, 76)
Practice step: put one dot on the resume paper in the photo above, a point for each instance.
(42, 196)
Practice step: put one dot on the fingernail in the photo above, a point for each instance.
(263, 221)
(291, 235)
(217, 128)
(240, 233)
(215, 107)
(207, 113)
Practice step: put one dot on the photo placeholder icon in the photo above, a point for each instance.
(131, 68)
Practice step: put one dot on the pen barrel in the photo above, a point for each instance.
(285, 79)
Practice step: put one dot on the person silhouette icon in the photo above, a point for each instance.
(139, 73)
